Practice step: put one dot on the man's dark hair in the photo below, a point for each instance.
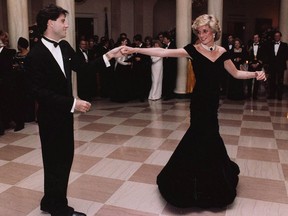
(167, 35)
(138, 37)
(50, 12)
(278, 32)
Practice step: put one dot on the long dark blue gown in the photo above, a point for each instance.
(199, 172)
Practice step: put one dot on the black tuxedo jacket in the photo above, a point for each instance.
(6, 62)
(6, 69)
(144, 65)
(170, 63)
(279, 61)
(52, 90)
(259, 58)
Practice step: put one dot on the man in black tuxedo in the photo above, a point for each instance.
(50, 63)
(86, 80)
(141, 67)
(255, 63)
(277, 57)
(6, 69)
(169, 69)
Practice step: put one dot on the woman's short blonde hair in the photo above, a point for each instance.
(209, 20)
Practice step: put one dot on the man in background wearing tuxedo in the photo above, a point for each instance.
(169, 69)
(255, 63)
(50, 63)
(86, 79)
(277, 57)
(141, 67)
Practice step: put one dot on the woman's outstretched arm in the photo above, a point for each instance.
(160, 52)
(239, 74)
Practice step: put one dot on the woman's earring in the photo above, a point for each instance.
(214, 35)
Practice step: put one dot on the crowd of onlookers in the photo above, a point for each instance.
(17, 105)
(263, 52)
(137, 77)
(133, 77)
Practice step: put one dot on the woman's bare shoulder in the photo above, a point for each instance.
(221, 49)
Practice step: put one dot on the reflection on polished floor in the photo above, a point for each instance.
(120, 149)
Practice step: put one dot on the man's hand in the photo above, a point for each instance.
(82, 106)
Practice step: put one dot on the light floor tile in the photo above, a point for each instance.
(96, 149)
(257, 142)
(164, 125)
(131, 154)
(32, 158)
(230, 130)
(283, 154)
(159, 157)
(257, 125)
(32, 141)
(138, 196)
(110, 138)
(260, 169)
(126, 130)
(270, 155)
(281, 134)
(33, 182)
(176, 135)
(262, 189)
(108, 210)
(144, 142)
(94, 188)
(86, 136)
(251, 207)
(115, 169)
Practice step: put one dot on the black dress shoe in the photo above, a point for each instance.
(75, 213)
(19, 127)
(68, 212)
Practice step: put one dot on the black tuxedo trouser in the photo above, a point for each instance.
(276, 78)
(57, 142)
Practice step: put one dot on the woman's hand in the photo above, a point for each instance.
(115, 53)
(126, 50)
(260, 75)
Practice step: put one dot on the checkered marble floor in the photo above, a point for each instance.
(120, 149)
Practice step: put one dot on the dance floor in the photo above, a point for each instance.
(120, 149)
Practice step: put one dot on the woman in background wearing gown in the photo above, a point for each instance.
(156, 75)
(200, 172)
(121, 90)
(235, 90)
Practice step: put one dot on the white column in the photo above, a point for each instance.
(215, 7)
(69, 5)
(17, 12)
(284, 28)
(183, 37)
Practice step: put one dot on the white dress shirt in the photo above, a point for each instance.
(276, 47)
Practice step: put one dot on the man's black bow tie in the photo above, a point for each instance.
(51, 41)
(256, 44)
(277, 43)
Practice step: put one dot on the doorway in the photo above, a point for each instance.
(84, 28)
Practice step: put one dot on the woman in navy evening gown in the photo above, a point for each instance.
(200, 172)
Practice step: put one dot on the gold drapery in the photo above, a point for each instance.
(191, 80)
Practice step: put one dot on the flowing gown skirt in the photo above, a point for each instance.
(197, 177)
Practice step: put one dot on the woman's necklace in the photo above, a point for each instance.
(209, 48)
